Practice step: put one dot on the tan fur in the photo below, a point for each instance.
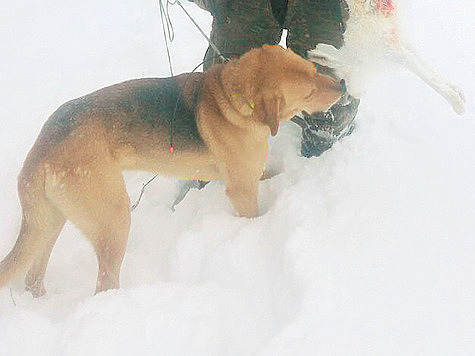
(223, 120)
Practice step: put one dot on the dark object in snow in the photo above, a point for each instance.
(321, 130)
(185, 188)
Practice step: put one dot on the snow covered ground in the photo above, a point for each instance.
(368, 249)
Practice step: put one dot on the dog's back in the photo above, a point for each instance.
(139, 115)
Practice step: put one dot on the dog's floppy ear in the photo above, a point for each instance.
(269, 108)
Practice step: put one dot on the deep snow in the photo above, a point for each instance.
(368, 249)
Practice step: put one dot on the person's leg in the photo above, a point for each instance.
(311, 22)
(241, 25)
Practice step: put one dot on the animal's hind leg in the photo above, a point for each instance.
(52, 226)
(99, 206)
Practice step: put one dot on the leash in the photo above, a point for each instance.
(169, 36)
(213, 46)
(167, 28)
(144, 185)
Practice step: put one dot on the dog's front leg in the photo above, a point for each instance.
(409, 58)
(243, 196)
(242, 182)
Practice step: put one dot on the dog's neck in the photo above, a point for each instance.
(235, 99)
(237, 91)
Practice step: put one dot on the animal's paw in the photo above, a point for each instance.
(456, 98)
(325, 55)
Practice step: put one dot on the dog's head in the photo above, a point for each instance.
(289, 84)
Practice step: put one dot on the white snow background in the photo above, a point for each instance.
(368, 249)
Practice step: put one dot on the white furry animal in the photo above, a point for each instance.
(372, 43)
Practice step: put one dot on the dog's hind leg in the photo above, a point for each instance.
(52, 226)
(98, 204)
(40, 226)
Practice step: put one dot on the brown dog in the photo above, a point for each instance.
(220, 120)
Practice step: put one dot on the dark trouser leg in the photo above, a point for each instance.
(242, 25)
(311, 22)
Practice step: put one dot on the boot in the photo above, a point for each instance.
(321, 130)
